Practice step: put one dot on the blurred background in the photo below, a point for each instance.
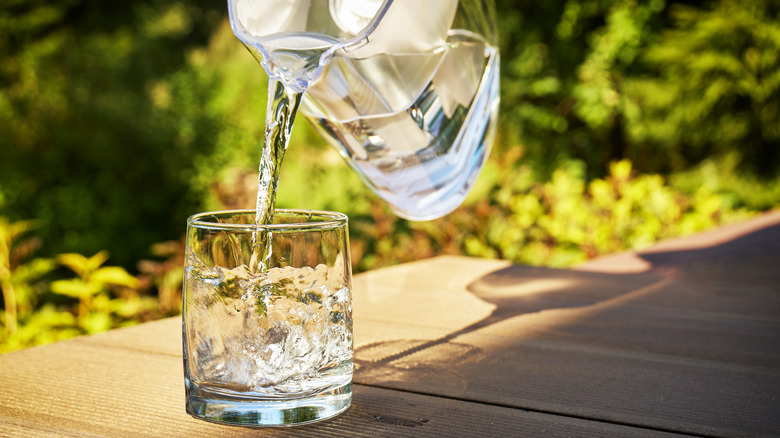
(622, 123)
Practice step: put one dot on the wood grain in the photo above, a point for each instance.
(681, 339)
(110, 385)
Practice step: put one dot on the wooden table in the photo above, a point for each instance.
(682, 339)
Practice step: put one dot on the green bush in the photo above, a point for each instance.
(92, 143)
(42, 305)
(567, 220)
(622, 123)
(666, 84)
(711, 88)
(117, 121)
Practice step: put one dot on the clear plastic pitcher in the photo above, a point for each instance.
(405, 90)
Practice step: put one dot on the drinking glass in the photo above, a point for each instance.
(271, 345)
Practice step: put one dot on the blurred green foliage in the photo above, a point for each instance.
(18, 276)
(90, 288)
(622, 123)
(89, 148)
(511, 214)
(41, 305)
(665, 84)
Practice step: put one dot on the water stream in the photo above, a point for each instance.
(283, 103)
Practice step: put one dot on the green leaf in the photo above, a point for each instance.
(114, 275)
(16, 229)
(97, 260)
(620, 170)
(74, 288)
(76, 262)
(32, 270)
(132, 308)
(97, 322)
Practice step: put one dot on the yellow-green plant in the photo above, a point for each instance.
(91, 287)
(568, 220)
(558, 223)
(17, 278)
(167, 275)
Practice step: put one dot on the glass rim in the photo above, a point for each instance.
(331, 220)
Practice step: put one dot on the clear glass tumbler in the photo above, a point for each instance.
(272, 345)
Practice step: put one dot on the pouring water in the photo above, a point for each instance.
(405, 90)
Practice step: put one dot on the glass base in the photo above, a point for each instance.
(217, 408)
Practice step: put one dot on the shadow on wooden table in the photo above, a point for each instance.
(535, 298)
(515, 291)
(698, 330)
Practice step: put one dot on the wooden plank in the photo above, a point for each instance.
(480, 347)
(691, 346)
(571, 375)
(129, 382)
(429, 299)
